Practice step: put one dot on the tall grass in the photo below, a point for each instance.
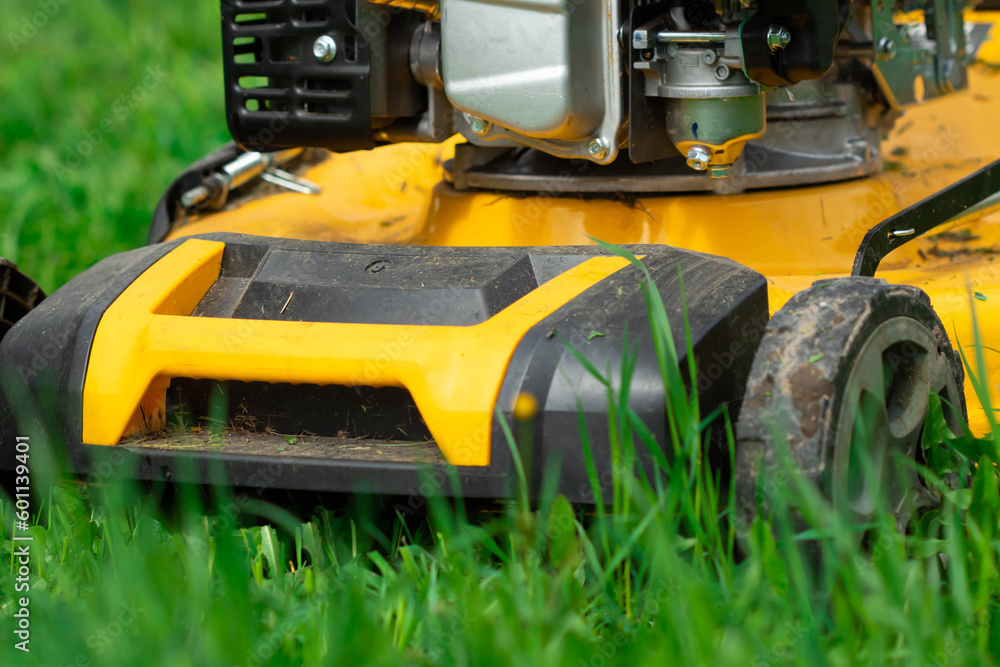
(655, 577)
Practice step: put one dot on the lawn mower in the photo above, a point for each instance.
(394, 264)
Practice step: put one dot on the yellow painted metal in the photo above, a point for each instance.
(452, 372)
(990, 51)
(793, 236)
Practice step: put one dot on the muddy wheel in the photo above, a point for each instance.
(843, 375)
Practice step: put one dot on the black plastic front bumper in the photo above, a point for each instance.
(44, 359)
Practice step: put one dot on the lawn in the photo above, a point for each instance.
(104, 103)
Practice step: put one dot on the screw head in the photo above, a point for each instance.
(378, 266)
(325, 48)
(777, 37)
(598, 147)
(709, 57)
(885, 49)
(722, 72)
(479, 125)
(698, 158)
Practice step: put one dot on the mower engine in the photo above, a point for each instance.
(686, 85)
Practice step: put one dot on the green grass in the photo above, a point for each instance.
(116, 573)
(102, 107)
(118, 577)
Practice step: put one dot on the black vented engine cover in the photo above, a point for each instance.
(278, 94)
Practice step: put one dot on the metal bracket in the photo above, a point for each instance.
(214, 189)
(973, 196)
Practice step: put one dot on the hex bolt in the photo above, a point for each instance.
(325, 48)
(777, 37)
(480, 126)
(722, 72)
(698, 157)
(885, 49)
(598, 147)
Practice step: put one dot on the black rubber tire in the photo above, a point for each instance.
(18, 295)
(801, 374)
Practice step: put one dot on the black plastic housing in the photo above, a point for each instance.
(278, 94)
(44, 358)
(815, 27)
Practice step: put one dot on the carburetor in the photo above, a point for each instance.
(690, 80)
(692, 59)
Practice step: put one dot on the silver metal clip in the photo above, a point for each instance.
(246, 167)
(290, 181)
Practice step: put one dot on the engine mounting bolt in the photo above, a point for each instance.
(598, 147)
(778, 37)
(885, 49)
(698, 157)
(720, 171)
(325, 48)
(480, 126)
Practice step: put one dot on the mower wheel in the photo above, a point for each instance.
(18, 295)
(841, 382)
